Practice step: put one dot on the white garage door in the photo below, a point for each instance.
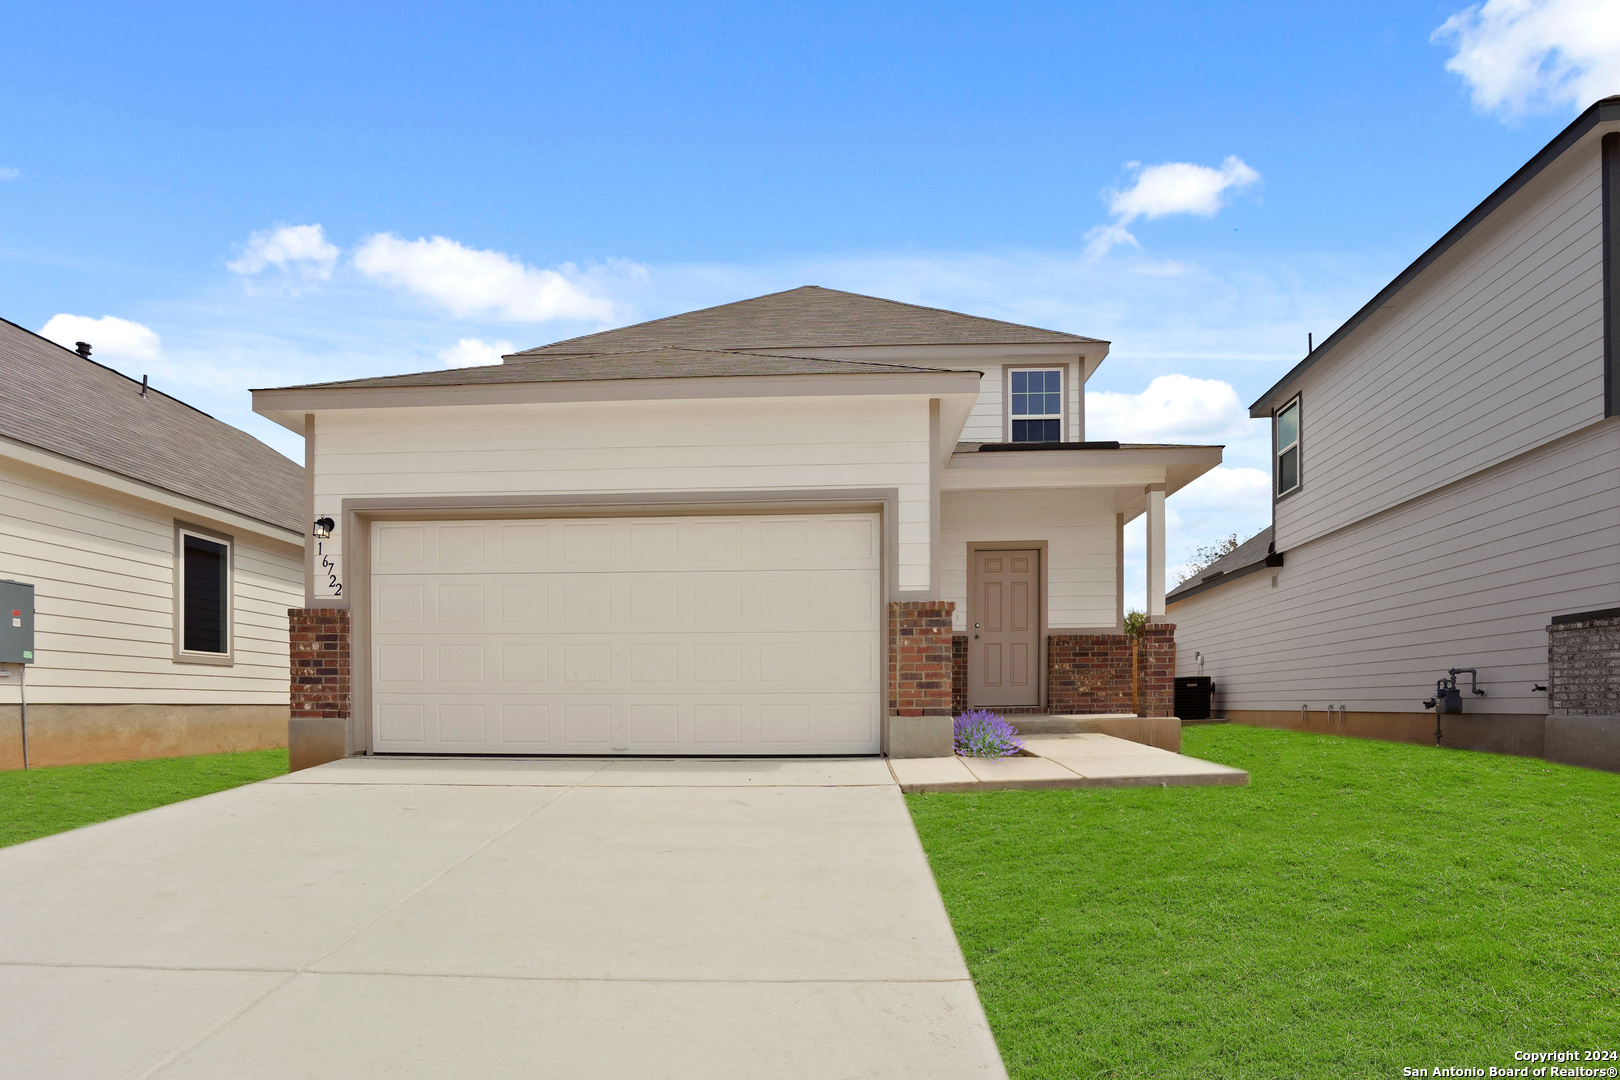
(699, 635)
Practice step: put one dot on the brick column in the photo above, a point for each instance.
(1156, 669)
(322, 686)
(920, 666)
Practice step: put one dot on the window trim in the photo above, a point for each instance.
(1278, 495)
(181, 654)
(1063, 398)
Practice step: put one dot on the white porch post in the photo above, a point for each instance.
(1155, 552)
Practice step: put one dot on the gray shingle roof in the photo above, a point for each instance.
(667, 363)
(58, 401)
(804, 318)
(1251, 552)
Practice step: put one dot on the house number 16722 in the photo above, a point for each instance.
(329, 568)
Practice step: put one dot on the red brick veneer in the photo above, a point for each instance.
(1089, 673)
(959, 649)
(920, 669)
(322, 680)
(1112, 673)
(1156, 670)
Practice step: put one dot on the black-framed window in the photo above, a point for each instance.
(1286, 429)
(205, 595)
(1035, 404)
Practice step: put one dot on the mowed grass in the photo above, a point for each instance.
(40, 802)
(1360, 908)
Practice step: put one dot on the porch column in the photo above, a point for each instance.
(1155, 552)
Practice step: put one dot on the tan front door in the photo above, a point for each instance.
(1004, 642)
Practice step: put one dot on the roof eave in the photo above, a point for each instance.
(1605, 111)
(288, 406)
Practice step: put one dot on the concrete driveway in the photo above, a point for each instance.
(448, 918)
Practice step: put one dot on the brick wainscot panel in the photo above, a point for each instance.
(1583, 665)
(920, 669)
(322, 675)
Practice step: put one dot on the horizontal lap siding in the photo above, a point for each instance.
(635, 448)
(102, 568)
(1470, 576)
(987, 421)
(1495, 350)
(1080, 535)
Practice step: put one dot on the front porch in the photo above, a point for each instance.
(1030, 571)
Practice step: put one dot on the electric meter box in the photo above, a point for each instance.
(16, 623)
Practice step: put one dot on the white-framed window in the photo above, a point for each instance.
(202, 595)
(1035, 404)
(1286, 434)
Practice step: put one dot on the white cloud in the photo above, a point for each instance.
(301, 250)
(470, 282)
(1522, 56)
(1173, 408)
(1176, 187)
(9, 174)
(473, 352)
(110, 337)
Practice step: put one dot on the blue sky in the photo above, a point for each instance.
(595, 164)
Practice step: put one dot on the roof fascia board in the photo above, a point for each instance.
(1113, 469)
(1215, 583)
(191, 509)
(1125, 456)
(1604, 112)
(287, 407)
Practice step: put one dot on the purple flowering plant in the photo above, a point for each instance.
(982, 733)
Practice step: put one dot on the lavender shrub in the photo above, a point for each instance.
(982, 733)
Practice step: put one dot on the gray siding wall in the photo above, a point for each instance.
(1468, 576)
(1494, 350)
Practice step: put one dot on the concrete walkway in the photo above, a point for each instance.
(493, 919)
(1064, 761)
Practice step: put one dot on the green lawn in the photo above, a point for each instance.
(44, 801)
(1360, 908)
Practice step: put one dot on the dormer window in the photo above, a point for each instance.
(1035, 404)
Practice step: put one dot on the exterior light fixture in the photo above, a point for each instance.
(324, 527)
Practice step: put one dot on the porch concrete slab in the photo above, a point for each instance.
(765, 883)
(1087, 745)
(137, 1017)
(423, 922)
(324, 1026)
(263, 877)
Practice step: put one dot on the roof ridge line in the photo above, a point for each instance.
(130, 379)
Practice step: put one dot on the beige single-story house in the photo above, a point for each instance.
(812, 522)
(164, 549)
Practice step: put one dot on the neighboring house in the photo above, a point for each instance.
(164, 549)
(1446, 489)
(761, 528)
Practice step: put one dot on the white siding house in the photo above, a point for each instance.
(1452, 489)
(104, 488)
(774, 486)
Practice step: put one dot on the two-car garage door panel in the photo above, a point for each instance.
(669, 635)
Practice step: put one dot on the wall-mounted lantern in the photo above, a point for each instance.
(324, 527)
